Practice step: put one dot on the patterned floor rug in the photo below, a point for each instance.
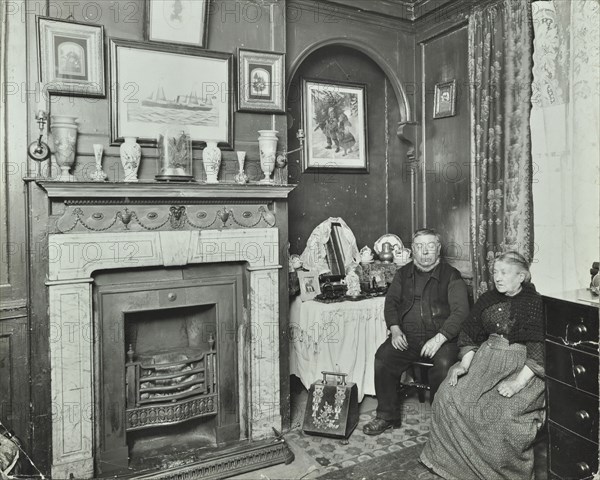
(403, 464)
(334, 454)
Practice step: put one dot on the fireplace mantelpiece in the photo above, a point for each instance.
(74, 257)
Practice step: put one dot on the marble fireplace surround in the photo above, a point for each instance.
(74, 257)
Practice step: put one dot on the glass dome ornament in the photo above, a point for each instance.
(174, 159)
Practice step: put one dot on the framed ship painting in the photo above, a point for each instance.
(158, 86)
(335, 122)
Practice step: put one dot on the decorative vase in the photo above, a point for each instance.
(131, 153)
(241, 177)
(98, 175)
(211, 159)
(64, 141)
(267, 145)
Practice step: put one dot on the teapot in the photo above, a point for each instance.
(386, 255)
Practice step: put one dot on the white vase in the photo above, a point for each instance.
(131, 153)
(98, 175)
(64, 141)
(267, 145)
(241, 177)
(211, 159)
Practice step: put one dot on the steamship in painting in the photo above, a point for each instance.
(187, 109)
(182, 102)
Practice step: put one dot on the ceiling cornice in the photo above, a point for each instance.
(407, 10)
(349, 10)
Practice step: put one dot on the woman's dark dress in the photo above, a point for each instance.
(476, 433)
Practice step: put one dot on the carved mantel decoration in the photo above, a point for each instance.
(117, 226)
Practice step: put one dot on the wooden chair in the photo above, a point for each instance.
(420, 373)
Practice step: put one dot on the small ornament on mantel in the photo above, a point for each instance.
(241, 177)
(98, 175)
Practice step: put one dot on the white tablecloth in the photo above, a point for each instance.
(338, 337)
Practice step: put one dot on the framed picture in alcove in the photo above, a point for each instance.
(71, 57)
(157, 86)
(335, 126)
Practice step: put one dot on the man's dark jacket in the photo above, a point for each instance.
(444, 301)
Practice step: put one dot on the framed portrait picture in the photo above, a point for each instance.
(444, 100)
(155, 86)
(261, 82)
(309, 285)
(177, 21)
(335, 125)
(71, 57)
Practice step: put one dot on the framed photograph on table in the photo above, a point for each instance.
(444, 100)
(335, 125)
(261, 82)
(177, 21)
(71, 57)
(156, 86)
(309, 285)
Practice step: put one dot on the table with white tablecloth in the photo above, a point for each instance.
(337, 337)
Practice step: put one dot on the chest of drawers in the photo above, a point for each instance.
(572, 385)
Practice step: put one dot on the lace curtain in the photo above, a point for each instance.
(565, 142)
(500, 45)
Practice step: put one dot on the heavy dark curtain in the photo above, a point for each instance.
(500, 57)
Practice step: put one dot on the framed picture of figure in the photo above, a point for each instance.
(261, 81)
(71, 57)
(178, 21)
(335, 125)
(309, 285)
(444, 100)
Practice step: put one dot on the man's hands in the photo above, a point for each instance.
(433, 345)
(399, 341)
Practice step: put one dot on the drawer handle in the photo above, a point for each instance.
(579, 370)
(172, 297)
(582, 416)
(582, 468)
(579, 329)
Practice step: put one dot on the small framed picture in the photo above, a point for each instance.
(335, 122)
(71, 57)
(444, 101)
(177, 21)
(261, 80)
(309, 285)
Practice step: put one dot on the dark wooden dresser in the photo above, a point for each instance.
(572, 385)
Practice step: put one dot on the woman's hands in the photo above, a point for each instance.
(507, 388)
(399, 341)
(456, 371)
(515, 383)
(460, 369)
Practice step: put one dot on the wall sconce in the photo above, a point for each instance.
(39, 151)
(281, 160)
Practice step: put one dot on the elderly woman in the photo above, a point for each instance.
(488, 411)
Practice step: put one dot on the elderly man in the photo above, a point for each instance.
(425, 307)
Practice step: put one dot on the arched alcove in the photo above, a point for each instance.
(374, 55)
(362, 199)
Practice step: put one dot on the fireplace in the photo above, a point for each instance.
(167, 364)
(144, 293)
